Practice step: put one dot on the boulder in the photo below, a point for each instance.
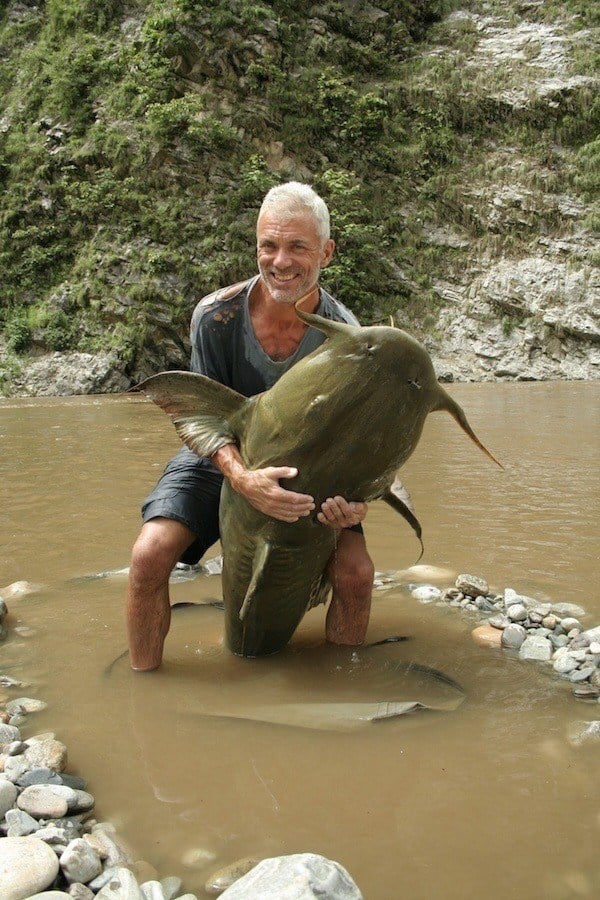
(301, 876)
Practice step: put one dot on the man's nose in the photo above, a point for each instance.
(282, 258)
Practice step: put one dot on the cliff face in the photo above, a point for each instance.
(455, 148)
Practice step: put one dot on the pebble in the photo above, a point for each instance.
(8, 795)
(582, 674)
(565, 664)
(586, 692)
(534, 647)
(43, 801)
(295, 877)
(8, 734)
(39, 775)
(567, 609)
(550, 622)
(569, 622)
(171, 886)
(20, 823)
(228, 875)
(80, 862)
(595, 647)
(472, 585)
(80, 892)
(487, 636)
(27, 866)
(593, 634)
(516, 612)
(15, 767)
(49, 753)
(513, 636)
(121, 885)
(498, 621)
(25, 705)
(427, 593)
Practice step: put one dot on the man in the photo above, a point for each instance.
(246, 337)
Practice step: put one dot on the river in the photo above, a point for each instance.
(488, 800)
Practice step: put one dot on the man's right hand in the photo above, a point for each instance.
(261, 487)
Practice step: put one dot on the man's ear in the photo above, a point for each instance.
(327, 252)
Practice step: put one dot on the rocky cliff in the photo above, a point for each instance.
(456, 144)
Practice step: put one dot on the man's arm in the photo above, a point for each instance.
(262, 490)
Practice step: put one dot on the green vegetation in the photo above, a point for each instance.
(137, 140)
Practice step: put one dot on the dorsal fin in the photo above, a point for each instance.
(200, 408)
(327, 326)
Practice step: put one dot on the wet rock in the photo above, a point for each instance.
(55, 836)
(558, 640)
(15, 748)
(297, 877)
(49, 753)
(472, 585)
(427, 593)
(121, 885)
(20, 823)
(534, 647)
(586, 692)
(152, 890)
(550, 622)
(498, 621)
(27, 866)
(19, 589)
(516, 612)
(584, 732)
(172, 884)
(80, 862)
(582, 674)
(15, 767)
(73, 781)
(8, 795)
(513, 636)
(25, 705)
(593, 634)
(109, 845)
(568, 623)
(487, 636)
(223, 878)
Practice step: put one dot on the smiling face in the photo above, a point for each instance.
(290, 253)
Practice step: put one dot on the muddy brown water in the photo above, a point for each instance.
(490, 800)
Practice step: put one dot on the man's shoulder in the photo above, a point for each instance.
(332, 308)
(225, 301)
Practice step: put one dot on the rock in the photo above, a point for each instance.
(300, 876)
(595, 647)
(120, 886)
(498, 621)
(109, 845)
(8, 734)
(172, 884)
(25, 705)
(563, 665)
(27, 866)
(62, 374)
(568, 623)
(513, 636)
(582, 674)
(43, 801)
(49, 753)
(567, 609)
(80, 862)
(15, 767)
(534, 647)
(584, 732)
(80, 892)
(55, 836)
(472, 586)
(152, 890)
(223, 878)
(550, 622)
(427, 593)
(8, 795)
(20, 823)
(516, 612)
(39, 775)
(15, 748)
(19, 589)
(586, 692)
(487, 636)
(558, 640)
(593, 633)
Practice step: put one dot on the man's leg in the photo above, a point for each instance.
(350, 572)
(159, 546)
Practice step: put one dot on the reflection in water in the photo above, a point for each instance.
(488, 800)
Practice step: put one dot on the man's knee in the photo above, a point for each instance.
(352, 571)
(160, 544)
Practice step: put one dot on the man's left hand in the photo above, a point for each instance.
(338, 513)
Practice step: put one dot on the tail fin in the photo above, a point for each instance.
(446, 402)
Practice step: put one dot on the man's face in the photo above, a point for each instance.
(290, 254)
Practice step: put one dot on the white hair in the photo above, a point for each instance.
(293, 198)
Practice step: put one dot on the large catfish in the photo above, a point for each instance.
(347, 417)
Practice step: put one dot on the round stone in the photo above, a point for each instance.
(487, 636)
(226, 876)
(427, 593)
(498, 621)
(122, 885)
(563, 665)
(295, 877)
(582, 674)
(569, 622)
(25, 705)
(43, 801)
(472, 585)
(513, 636)
(534, 647)
(517, 612)
(8, 795)
(27, 866)
(80, 862)
(550, 622)
(595, 647)
(49, 753)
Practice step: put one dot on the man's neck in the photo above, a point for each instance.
(262, 302)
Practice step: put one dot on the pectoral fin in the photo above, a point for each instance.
(200, 408)
(259, 564)
(398, 498)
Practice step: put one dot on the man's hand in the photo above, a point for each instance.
(261, 487)
(338, 513)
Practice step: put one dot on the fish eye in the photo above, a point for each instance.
(414, 383)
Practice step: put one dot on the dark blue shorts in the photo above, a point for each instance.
(189, 491)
